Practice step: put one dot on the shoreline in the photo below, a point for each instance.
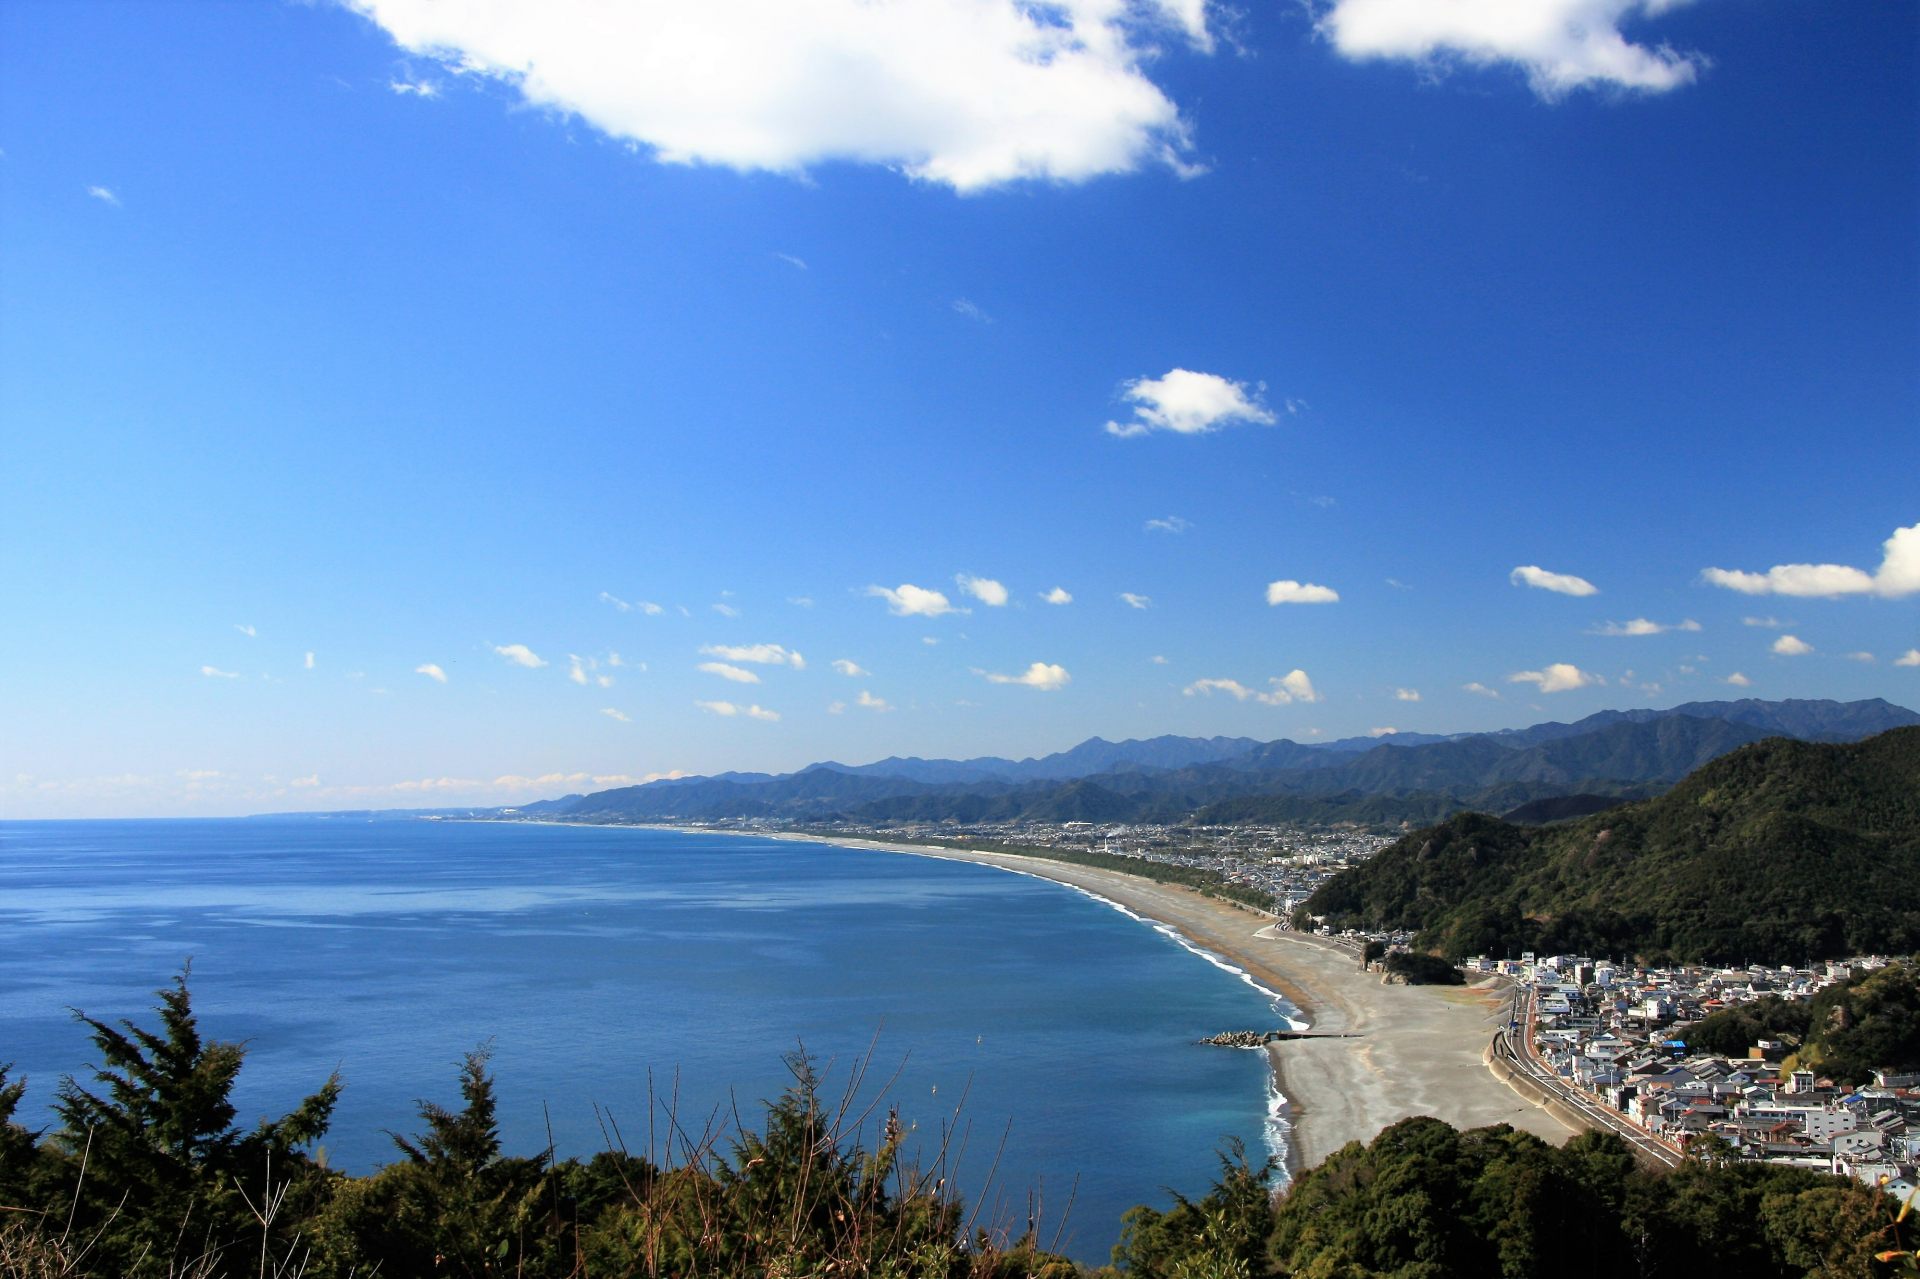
(1404, 1051)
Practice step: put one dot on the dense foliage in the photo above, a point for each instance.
(1783, 851)
(1871, 1023)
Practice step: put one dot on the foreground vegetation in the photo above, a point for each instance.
(146, 1175)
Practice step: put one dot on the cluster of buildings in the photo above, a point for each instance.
(1287, 861)
(1619, 1034)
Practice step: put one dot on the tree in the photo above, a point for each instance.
(154, 1158)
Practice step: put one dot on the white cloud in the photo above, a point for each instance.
(1564, 583)
(1158, 659)
(1044, 676)
(738, 674)
(964, 93)
(214, 672)
(432, 671)
(1860, 657)
(762, 654)
(613, 714)
(1058, 595)
(1388, 731)
(1169, 524)
(836, 708)
(1561, 45)
(798, 264)
(1288, 591)
(1739, 681)
(1644, 626)
(645, 606)
(1136, 601)
(1791, 646)
(309, 661)
(731, 709)
(520, 655)
(105, 195)
(872, 703)
(1189, 403)
(576, 670)
(962, 306)
(1768, 623)
(1406, 694)
(1559, 677)
(1294, 686)
(1898, 575)
(725, 610)
(245, 629)
(984, 589)
(852, 670)
(913, 601)
(800, 601)
(1482, 690)
(311, 779)
(1909, 658)
(414, 88)
(608, 597)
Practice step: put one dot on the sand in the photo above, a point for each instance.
(1408, 1050)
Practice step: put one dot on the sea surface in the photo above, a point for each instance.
(626, 980)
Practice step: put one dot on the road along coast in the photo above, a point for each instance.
(1388, 1052)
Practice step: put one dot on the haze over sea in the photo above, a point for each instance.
(593, 957)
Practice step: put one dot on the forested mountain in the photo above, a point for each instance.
(1781, 851)
(1222, 779)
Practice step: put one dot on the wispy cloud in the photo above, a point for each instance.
(1058, 595)
(1562, 583)
(1766, 623)
(984, 589)
(1791, 646)
(908, 600)
(1643, 626)
(246, 629)
(616, 715)
(759, 654)
(798, 264)
(1136, 601)
(853, 670)
(432, 671)
(1897, 577)
(1558, 677)
(214, 672)
(520, 655)
(961, 306)
(1739, 681)
(1909, 658)
(872, 703)
(1481, 690)
(1561, 45)
(1044, 676)
(738, 674)
(309, 661)
(1281, 690)
(1288, 591)
(105, 195)
(725, 610)
(1169, 524)
(643, 606)
(732, 709)
(1189, 403)
(414, 88)
(1406, 694)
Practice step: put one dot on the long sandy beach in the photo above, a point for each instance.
(1403, 1050)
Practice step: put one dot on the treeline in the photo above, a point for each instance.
(1782, 851)
(1210, 883)
(146, 1175)
(1846, 1032)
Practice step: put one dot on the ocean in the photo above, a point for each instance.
(618, 973)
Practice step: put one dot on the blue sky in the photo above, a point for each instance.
(355, 357)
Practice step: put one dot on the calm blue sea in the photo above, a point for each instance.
(605, 966)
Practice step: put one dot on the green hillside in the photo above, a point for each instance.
(1780, 851)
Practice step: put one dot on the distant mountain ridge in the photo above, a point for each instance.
(1168, 778)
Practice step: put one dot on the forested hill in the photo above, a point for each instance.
(1226, 780)
(1779, 852)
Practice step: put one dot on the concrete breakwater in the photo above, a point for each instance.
(1261, 1038)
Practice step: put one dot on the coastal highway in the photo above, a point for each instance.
(1516, 1048)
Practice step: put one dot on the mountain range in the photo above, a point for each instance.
(1393, 778)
